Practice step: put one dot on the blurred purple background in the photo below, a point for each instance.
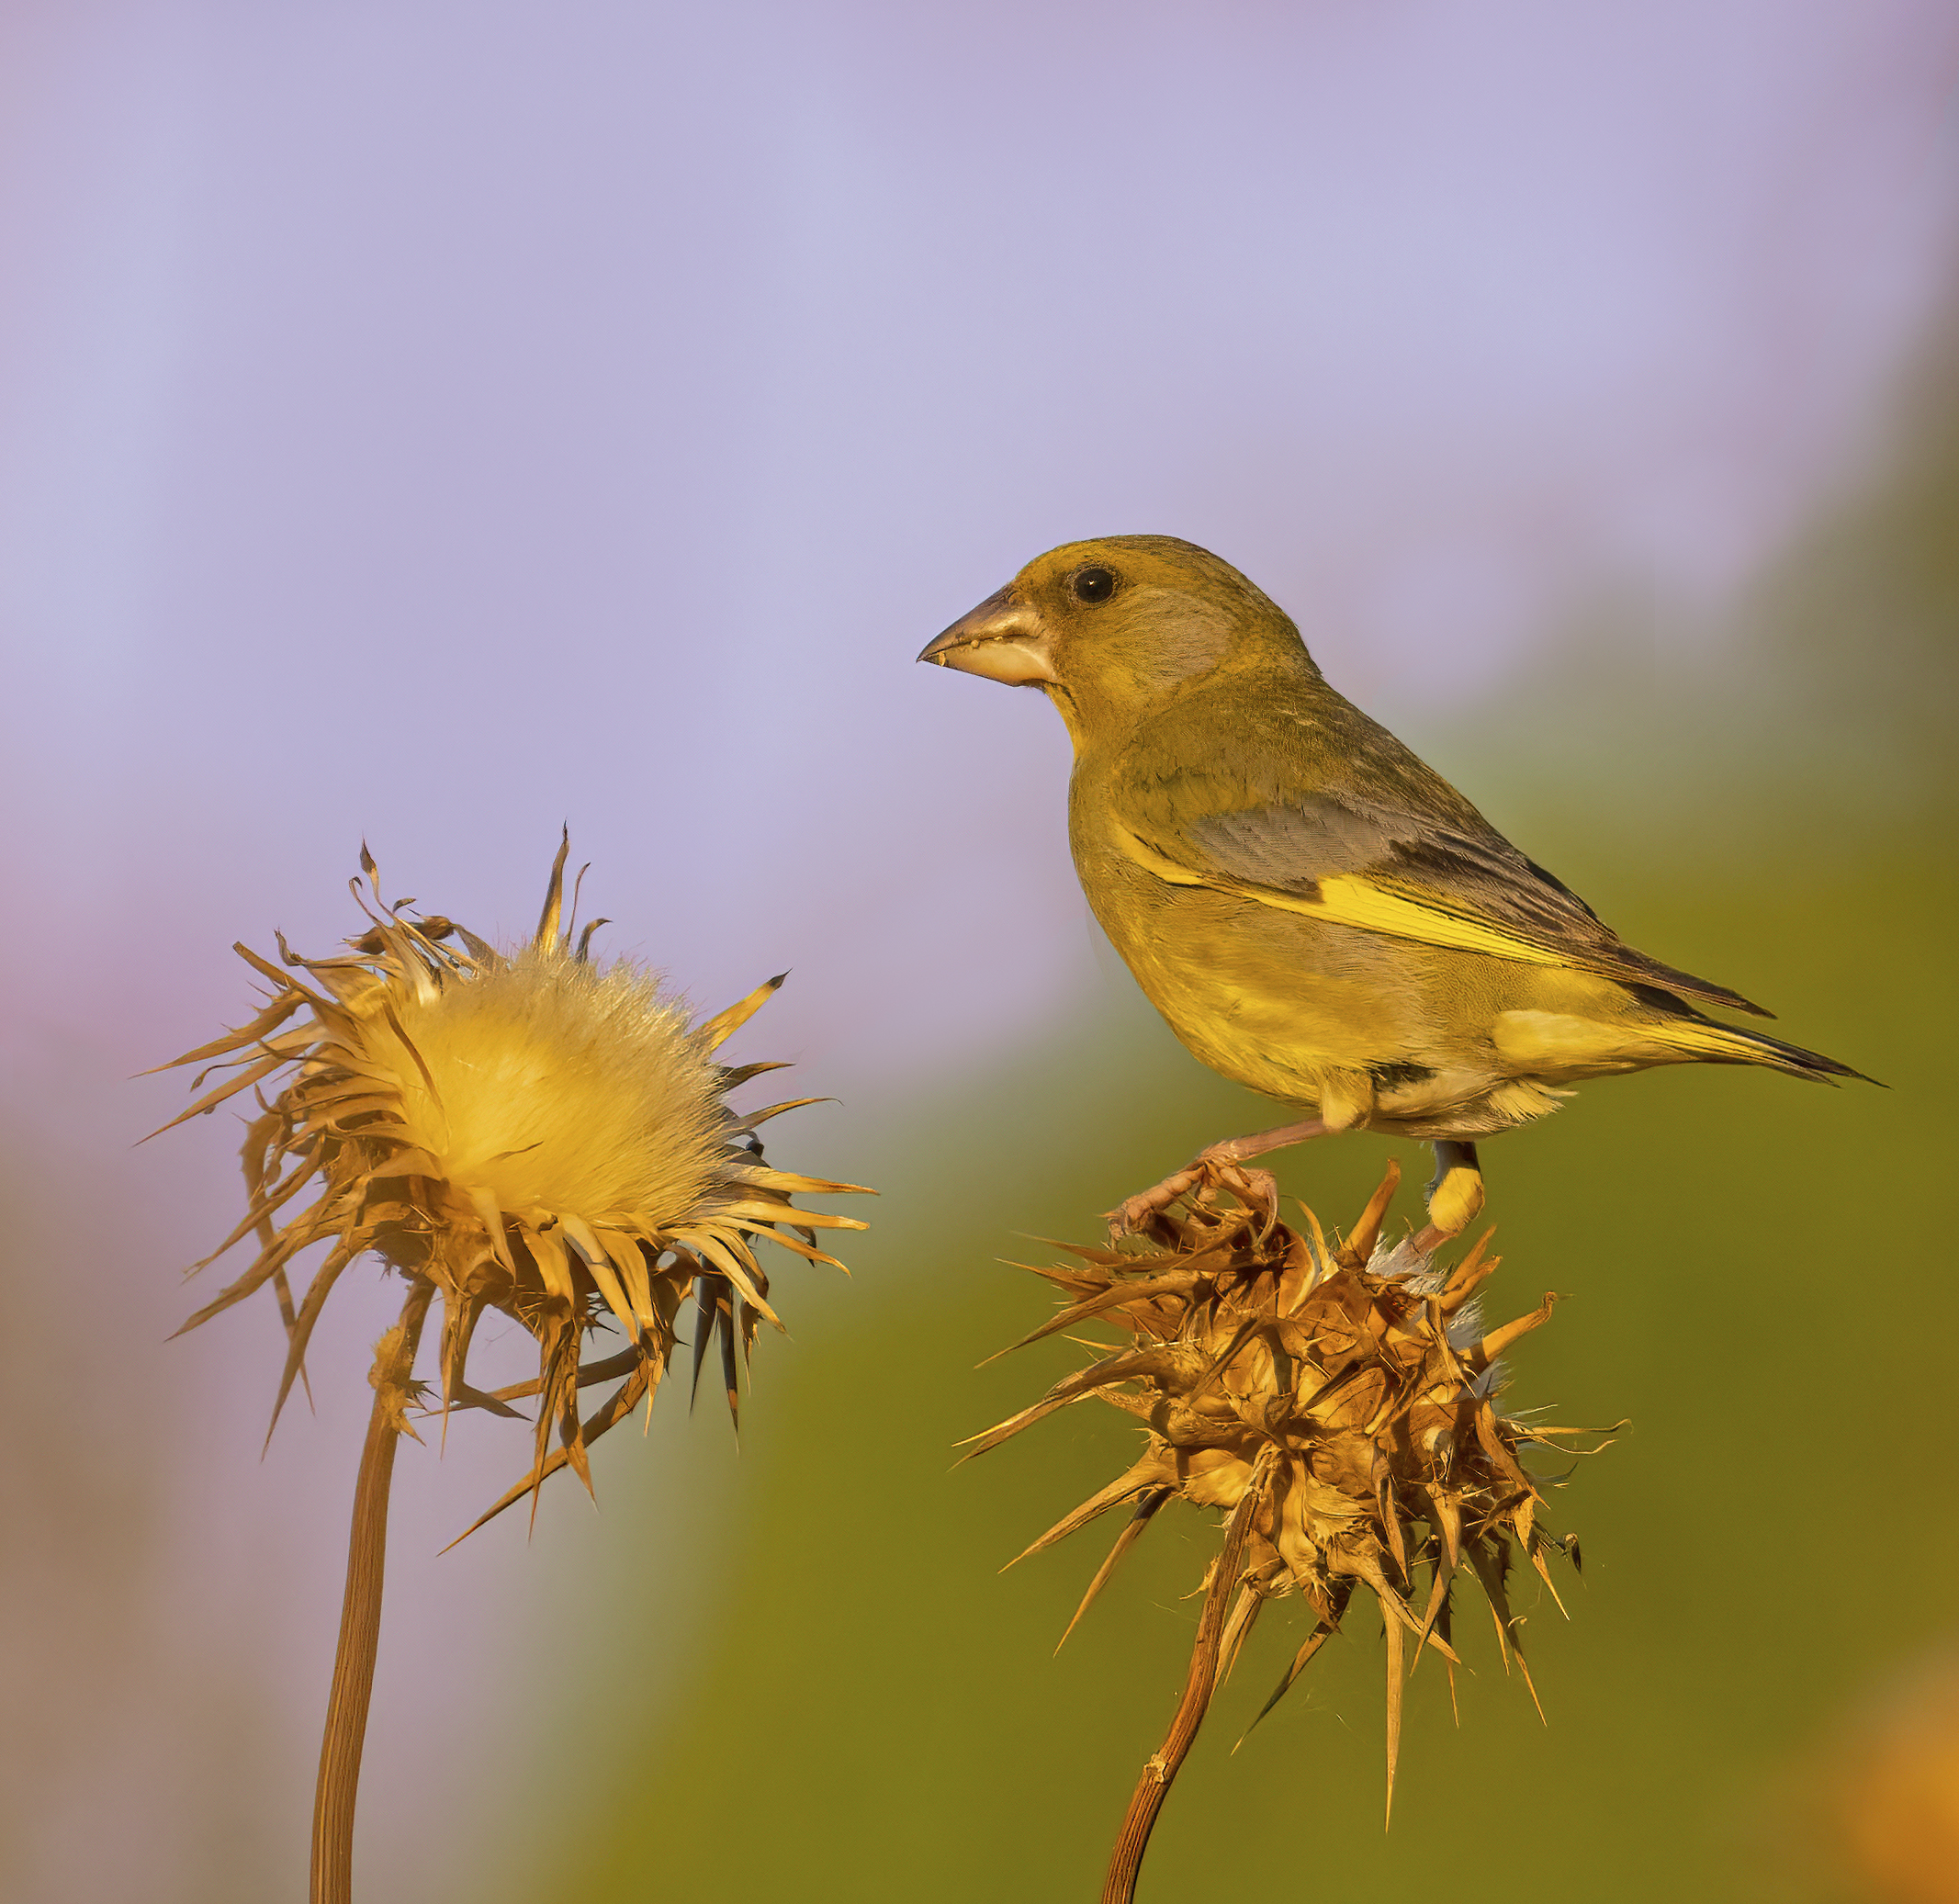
(432, 423)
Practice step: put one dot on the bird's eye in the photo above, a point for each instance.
(1092, 584)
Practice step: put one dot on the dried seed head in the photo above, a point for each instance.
(528, 1132)
(1339, 1403)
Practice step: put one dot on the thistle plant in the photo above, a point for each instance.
(1338, 1402)
(528, 1132)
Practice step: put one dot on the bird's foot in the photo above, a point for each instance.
(1214, 1170)
(1134, 1215)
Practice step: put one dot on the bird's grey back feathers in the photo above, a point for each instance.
(1316, 790)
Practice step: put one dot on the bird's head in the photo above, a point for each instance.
(1108, 628)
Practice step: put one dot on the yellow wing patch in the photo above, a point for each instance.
(1354, 901)
(1372, 905)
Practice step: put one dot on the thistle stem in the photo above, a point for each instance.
(360, 1612)
(1160, 1771)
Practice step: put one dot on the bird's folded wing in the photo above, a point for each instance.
(1450, 880)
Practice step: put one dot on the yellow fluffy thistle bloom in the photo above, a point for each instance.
(525, 1132)
(1337, 1402)
(531, 1132)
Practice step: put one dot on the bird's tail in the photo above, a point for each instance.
(1713, 1044)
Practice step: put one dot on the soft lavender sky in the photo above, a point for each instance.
(434, 421)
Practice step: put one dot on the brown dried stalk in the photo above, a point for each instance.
(1215, 1644)
(360, 1611)
(1340, 1403)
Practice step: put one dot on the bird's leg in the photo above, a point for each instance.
(1222, 1163)
(1455, 1194)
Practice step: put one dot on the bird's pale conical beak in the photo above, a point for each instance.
(1003, 638)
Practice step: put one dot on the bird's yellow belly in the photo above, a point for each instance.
(1364, 1029)
(1276, 1031)
(1271, 1000)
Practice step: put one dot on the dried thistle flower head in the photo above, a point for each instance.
(1340, 1404)
(530, 1132)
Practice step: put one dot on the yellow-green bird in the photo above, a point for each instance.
(1318, 914)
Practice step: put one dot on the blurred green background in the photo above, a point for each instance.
(1761, 1279)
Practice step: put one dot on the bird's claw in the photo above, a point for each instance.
(1142, 1214)
(1134, 1216)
